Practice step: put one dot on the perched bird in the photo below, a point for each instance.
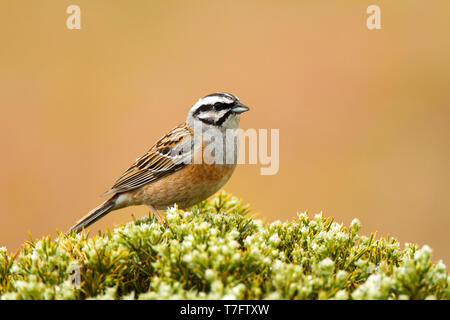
(175, 169)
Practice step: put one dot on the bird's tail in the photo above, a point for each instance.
(94, 215)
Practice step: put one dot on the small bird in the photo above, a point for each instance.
(169, 173)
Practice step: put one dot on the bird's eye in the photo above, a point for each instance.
(221, 106)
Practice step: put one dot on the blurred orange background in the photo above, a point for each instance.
(363, 114)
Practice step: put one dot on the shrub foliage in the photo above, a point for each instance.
(216, 250)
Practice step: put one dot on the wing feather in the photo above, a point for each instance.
(171, 153)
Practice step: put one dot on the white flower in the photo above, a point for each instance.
(217, 286)
(210, 275)
(274, 239)
(326, 266)
(213, 231)
(341, 276)
(304, 231)
(188, 258)
(376, 287)
(236, 257)
(302, 216)
(355, 225)
(238, 290)
(229, 296)
(341, 295)
(276, 223)
(424, 254)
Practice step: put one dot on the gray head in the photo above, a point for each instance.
(221, 110)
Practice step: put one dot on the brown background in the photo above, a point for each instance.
(363, 115)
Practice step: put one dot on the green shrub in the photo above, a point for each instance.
(216, 251)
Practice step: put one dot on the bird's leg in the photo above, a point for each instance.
(156, 214)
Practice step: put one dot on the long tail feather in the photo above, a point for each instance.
(94, 215)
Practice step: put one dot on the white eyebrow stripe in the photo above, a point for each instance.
(208, 115)
(213, 100)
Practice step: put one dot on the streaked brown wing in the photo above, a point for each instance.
(171, 153)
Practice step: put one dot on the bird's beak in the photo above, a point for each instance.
(240, 108)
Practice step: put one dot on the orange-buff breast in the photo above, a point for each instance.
(185, 187)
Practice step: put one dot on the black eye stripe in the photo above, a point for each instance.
(218, 106)
(202, 108)
(223, 118)
(217, 122)
(208, 121)
(222, 106)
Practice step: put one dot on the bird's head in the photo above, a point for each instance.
(220, 110)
